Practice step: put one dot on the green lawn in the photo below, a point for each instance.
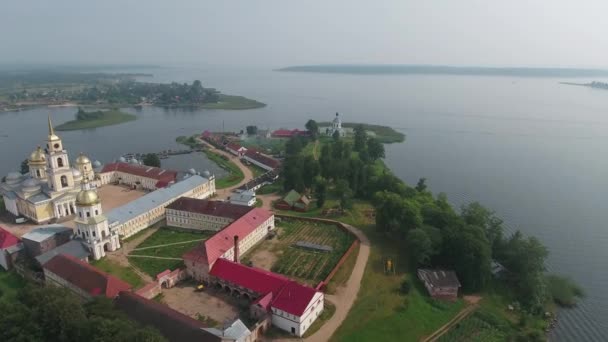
(256, 170)
(270, 188)
(122, 272)
(10, 283)
(328, 311)
(234, 102)
(381, 312)
(235, 175)
(165, 236)
(110, 117)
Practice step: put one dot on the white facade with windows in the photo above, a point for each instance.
(297, 325)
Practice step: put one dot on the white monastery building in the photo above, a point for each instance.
(285, 303)
(49, 190)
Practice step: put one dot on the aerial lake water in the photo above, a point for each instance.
(531, 149)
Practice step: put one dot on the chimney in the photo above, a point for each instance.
(236, 249)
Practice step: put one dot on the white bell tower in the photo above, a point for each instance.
(92, 225)
(59, 172)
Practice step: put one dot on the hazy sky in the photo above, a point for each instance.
(283, 32)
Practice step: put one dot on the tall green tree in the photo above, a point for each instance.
(420, 246)
(151, 159)
(360, 137)
(375, 149)
(336, 136)
(313, 128)
(421, 185)
(320, 191)
(252, 130)
(468, 252)
(25, 168)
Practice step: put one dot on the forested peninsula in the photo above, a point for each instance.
(104, 90)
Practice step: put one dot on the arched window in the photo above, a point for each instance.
(38, 173)
(59, 162)
(64, 181)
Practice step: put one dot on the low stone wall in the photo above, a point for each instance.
(341, 226)
(149, 291)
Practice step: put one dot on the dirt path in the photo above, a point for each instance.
(223, 194)
(464, 313)
(167, 244)
(314, 150)
(120, 256)
(153, 257)
(268, 199)
(346, 295)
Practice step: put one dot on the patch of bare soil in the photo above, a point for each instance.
(186, 300)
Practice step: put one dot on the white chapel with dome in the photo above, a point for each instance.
(49, 191)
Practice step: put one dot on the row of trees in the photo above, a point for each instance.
(158, 93)
(339, 167)
(55, 314)
(468, 242)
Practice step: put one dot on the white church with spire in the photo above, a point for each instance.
(49, 190)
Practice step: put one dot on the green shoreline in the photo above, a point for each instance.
(109, 118)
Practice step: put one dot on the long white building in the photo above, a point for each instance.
(149, 209)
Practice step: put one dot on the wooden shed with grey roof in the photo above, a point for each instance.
(441, 284)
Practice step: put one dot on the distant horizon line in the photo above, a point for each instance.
(422, 69)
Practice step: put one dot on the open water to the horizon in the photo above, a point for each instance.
(529, 148)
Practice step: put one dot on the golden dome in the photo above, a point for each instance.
(37, 156)
(87, 198)
(82, 159)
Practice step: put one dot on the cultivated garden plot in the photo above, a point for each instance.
(307, 265)
(164, 249)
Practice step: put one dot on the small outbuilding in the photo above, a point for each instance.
(293, 201)
(246, 197)
(441, 284)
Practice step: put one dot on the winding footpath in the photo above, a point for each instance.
(346, 295)
(225, 193)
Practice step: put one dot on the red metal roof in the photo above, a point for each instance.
(85, 276)
(213, 208)
(275, 290)
(257, 156)
(7, 239)
(164, 177)
(285, 133)
(294, 298)
(210, 250)
(254, 279)
(234, 146)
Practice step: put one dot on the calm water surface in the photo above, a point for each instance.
(531, 149)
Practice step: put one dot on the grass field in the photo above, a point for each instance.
(10, 283)
(328, 311)
(308, 266)
(234, 102)
(181, 243)
(110, 117)
(122, 272)
(481, 326)
(235, 175)
(381, 312)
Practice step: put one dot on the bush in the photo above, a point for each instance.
(405, 287)
(564, 291)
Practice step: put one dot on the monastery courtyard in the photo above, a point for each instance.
(214, 304)
(112, 196)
